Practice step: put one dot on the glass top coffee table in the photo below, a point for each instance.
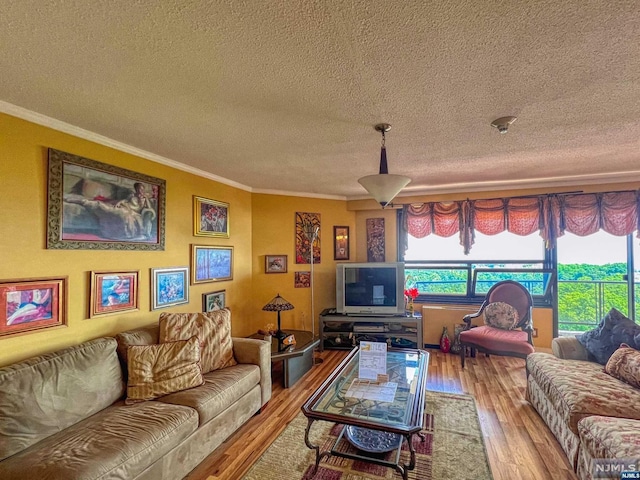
(373, 426)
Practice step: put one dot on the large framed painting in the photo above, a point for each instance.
(169, 287)
(340, 243)
(307, 237)
(211, 264)
(31, 304)
(113, 292)
(96, 206)
(375, 240)
(210, 218)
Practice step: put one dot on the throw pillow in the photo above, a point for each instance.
(213, 329)
(500, 315)
(612, 331)
(624, 365)
(157, 370)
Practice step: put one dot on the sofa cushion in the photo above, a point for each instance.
(43, 395)
(118, 442)
(500, 315)
(578, 389)
(624, 365)
(221, 389)
(140, 336)
(212, 328)
(156, 370)
(608, 437)
(497, 339)
(612, 331)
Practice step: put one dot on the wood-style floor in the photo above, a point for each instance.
(519, 444)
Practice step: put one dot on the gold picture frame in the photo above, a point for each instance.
(210, 218)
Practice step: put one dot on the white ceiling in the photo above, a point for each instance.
(282, 95)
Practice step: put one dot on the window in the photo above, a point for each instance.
(439, 269)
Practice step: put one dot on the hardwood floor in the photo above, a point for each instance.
(519, 444)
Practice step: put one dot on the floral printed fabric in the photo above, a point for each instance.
(577, 389)
(500, 315)
(213, 329)
(606, 437)
(624, 365)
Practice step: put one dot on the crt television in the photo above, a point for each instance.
(370, 288)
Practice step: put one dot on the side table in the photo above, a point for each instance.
(296, 359)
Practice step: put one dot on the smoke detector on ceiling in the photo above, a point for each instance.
(502, 123)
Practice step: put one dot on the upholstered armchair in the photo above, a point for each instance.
(508, 329)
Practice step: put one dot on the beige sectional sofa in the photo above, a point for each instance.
(592, 414)
(63, 415)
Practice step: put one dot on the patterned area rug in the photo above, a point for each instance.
(453, 448)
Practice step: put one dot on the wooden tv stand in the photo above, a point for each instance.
(339, 331)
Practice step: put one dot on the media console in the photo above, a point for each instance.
(346, 331)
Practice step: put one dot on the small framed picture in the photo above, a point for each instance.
(303, 279)
(211, 264)
(169, 287)
(113, 292)
(340, 243)
(275, 264)
(210, 218)
(32, 304)
(214, 301)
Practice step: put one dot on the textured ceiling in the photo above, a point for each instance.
(283, 95)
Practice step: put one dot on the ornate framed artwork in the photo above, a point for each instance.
(211, 264)
(31, 304)
(340, 243)
(169, 287)
(210, 218)
(302, 280)
(113, 292)
(96, 206)
(375, 240)
(214, 301)
(307, 236)
(275, 264)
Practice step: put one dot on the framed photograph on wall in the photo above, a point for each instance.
(275, 264)
(211, 264)
(340, 243)
(213, 301)
(97, 206)
(302, 280)
(169, 287)
(113, 292)
(210, 218)
(31, 304)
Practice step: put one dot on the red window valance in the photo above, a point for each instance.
(582, 214)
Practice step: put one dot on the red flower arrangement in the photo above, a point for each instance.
(411, 293)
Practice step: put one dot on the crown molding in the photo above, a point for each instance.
(59, 125)
(299, 194)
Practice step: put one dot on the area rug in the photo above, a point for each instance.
(453, 448)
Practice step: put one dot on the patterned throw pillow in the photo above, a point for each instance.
(613, 330)
(157, 370)
(500, 315)
(213, 329)
(624, 365)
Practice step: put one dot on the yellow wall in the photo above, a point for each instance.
(23, 211)
(273, 227)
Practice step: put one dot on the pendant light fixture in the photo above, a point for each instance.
(384, 186)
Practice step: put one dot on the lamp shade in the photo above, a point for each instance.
(384, 186)
(277, 304)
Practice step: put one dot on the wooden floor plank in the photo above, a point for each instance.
(519, 444)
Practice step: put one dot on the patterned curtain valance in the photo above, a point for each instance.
(582, 214)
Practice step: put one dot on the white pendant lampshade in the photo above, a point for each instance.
(384, 186)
